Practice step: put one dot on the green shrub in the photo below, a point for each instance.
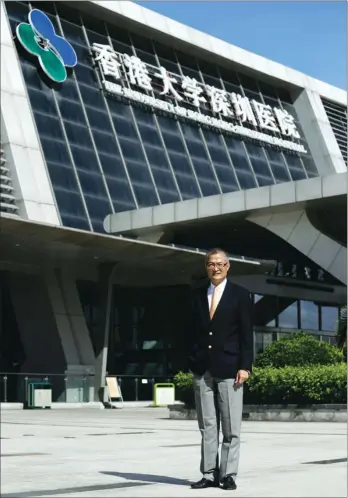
(299, 385)
(299, 350)
(311, 384)
(184, 388)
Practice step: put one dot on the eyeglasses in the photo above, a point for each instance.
(220, 266)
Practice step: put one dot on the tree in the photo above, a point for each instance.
(341, 334)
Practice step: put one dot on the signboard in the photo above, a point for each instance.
(114, 389)
(227, 107)
(53, 51)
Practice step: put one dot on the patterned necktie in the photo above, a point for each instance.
(214, 303)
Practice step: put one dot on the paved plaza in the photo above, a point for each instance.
(140, 452)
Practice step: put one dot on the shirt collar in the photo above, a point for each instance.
(220, 287)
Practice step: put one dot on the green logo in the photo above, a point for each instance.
(54, 52)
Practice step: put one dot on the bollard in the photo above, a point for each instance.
(5, 388)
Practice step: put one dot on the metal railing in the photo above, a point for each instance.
(75, 388)
(65, 388)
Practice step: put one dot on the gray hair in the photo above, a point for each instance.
(216, 250)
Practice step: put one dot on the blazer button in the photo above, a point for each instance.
(210, 333)
(209, 347)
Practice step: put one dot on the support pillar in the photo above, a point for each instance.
(105, 292)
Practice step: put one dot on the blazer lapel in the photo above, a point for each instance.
(224, 302)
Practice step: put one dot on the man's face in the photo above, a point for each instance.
(217, 267)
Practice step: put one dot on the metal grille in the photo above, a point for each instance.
(7, 199)
(337, 115)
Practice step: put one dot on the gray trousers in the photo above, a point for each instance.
(218, 400)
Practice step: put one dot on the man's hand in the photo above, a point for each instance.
(241, 377)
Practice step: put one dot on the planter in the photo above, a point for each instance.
(275, 413)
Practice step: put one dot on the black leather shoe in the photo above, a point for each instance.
(205, 483)
(228, 483)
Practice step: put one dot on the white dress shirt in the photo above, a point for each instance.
(219, 289)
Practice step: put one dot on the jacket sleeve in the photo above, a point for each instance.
(246, 331)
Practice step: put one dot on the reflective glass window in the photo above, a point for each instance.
(72, 112)
(260, 166)
(289, 318)
(42, 101)
(120, 193)
(56, 151)
(68, 91)
(309, 315)
(295, 167)
(70, 203)
(329, 318)
(105, 142)
(277, 165)
(62, 177)
(84, 159)
(49, 126)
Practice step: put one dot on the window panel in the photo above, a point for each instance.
(72, 32)
(98, 209)
(295, 167)
(105, 142)
(259, 164)
(166, 187)
(98, 120)
(309, 166)
(227, 178)
(33, 77)
(72, 112)
(68, 91)
(142, 183)
(183, 173)
(70, 203)
(49, 126)
(92, 184)
(78, 135)
(71, 221)
(42, 101)
(56, 151)
(86, 76)
(92, 98)
(309, 315)
(288, 318)
(112, 166)
(120, 193)
(243, 171)
(84, 159)
(62, 177)
(329, 318)
(150, 135)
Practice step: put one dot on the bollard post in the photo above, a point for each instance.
(5, 389)
(136, 389)
(66, 388)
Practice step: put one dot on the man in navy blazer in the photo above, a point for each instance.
(220, 359)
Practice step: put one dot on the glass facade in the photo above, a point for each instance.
(106, 155)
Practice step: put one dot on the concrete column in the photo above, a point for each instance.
(76, 318)
(105, 292)
(40, 330)
(295, 227)
(21, 144)
(318, 132)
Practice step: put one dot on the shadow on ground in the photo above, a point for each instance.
(149, 478)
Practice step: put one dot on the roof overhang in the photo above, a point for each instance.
(24, 242)
(280, 197)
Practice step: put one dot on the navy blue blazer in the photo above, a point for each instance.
(224, 344)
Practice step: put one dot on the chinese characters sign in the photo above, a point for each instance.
(232, 110)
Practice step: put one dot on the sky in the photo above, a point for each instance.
(310, 36)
